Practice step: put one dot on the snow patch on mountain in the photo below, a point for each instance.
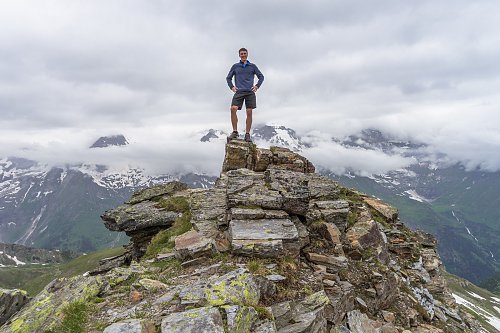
(34, 224)
(412, 194)
(490, 318)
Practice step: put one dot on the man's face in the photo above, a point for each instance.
(243, 55)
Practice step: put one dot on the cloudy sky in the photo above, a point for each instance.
(72, 71)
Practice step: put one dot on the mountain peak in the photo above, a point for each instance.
(112, 140)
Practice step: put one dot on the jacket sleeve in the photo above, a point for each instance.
(260, 76)
(229, 77)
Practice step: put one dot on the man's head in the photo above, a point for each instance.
(243, 54)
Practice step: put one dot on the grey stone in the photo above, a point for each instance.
(267, 288)
(193, 295)
(258, 248)
(152, 285)
(157, 192)
(265, 229)
(11, 301)
(266, 326)
(193, 244)
(360, 323)
(142, 215)
(208, 210)
(126, 326)
(241, 319)
(234, 287)
(304, 316)
(275, 278)
(247, 213)
(200, 320)
(332, 204)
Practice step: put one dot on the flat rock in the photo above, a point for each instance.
(127, 326)
(264, 229)
(200, 320)
(275, 277)
(389, 212)
(241, 319)
(193, 244)
(360, 323)
(11, 301)
(334, 263)
(142, 215)
(157, 191)
(258, 248)
(302, 316)
(208, 210)
(236, 287)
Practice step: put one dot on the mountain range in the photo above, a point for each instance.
(59, 207)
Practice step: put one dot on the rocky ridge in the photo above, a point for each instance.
(273, 247)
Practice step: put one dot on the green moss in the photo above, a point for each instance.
(263, 312)
(349, 195)
(174, 204)
(368, 253)
(352, 217)
(254, 265)
(379, 218)
(74, 318)
(164, 240)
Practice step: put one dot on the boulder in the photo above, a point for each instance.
(305, 316)
(130, 326)
(11, 301)
(359, 322)
(42, 311)
(200, 320)
(236, 287)
(264, 237)
(157, 191)
(389, 212)
(193, 244)
(241, 319)
(241, 154)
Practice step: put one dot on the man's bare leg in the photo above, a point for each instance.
(249, 121)
(234, 117)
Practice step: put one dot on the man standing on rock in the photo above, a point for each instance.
(244, 90)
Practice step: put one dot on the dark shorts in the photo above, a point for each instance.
(247, 96)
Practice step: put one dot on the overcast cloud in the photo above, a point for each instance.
(71, 71)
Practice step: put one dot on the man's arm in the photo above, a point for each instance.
(229, 78)
(259, 76)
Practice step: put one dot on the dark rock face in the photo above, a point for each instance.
(107, 141)
(10, 302)
(273, 247)
(240, 154)
(15, 254)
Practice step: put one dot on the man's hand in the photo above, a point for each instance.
(234, 89)
(255, 88)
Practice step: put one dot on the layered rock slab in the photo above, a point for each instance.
(241, 154)
(200, 320)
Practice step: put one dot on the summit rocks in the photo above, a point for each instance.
(271, 248)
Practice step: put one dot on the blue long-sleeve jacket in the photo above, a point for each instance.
(243, 74)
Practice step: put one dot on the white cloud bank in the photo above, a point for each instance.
(71, 71)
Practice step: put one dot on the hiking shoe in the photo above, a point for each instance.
(233, 135)
(247, 137)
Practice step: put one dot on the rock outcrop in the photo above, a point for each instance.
(273, 247)
(11, 301)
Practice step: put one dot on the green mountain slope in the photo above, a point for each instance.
(33, 278)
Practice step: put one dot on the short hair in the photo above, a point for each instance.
(242, 49)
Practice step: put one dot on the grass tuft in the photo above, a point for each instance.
(74, 318)
(164, 240)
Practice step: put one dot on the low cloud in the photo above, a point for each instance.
(70, 73)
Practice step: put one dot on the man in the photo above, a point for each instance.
(244, 90)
